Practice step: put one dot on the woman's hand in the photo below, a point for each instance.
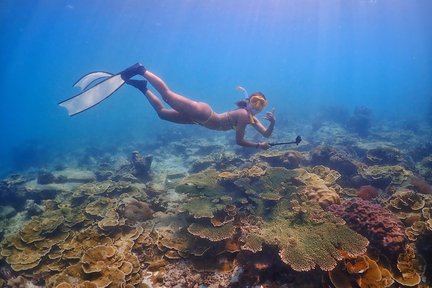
(264, 145)
(270, 116)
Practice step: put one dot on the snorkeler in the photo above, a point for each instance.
(184, 110)
(187, 111)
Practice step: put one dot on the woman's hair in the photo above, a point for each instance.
(243, 103)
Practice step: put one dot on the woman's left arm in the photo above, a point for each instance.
(266, 132)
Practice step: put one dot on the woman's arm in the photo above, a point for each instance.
(266, 132)
(240, 134)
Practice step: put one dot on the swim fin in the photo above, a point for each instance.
(94, 95)
(90, 78)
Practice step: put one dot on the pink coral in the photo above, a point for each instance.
(367, 192)
(421, 185)
(383, 229)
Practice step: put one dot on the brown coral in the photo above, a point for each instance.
(408, 265)
(134, 210)
(363, 270)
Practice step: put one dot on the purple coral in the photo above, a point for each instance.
(383, 229)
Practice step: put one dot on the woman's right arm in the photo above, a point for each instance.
(242, 123)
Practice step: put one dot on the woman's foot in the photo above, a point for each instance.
(139, 84)
(136, 69)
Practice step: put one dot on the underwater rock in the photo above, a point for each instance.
(425, 168)
(141, 165)
(138, 169)
(74, 175)
(360, 121)
(7, 212)
(32, 208)
(335, 159)
(201, 164)
(45, 177)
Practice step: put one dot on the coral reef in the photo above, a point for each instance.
(336, 159)
(383, 229)
(338, 211)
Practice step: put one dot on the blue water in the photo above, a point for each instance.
(304, 55)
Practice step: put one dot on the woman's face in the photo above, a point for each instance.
(256, 104)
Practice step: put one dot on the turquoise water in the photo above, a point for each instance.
(304, 55)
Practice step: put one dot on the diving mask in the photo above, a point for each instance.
(257, 103)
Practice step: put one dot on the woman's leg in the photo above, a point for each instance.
(163, 113)
(198, 111)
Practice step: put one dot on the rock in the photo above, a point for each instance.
(141, 165)
(33, 208)
(7, 212)
(75, 175)
(45, 177)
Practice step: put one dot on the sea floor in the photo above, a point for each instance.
(350, 206)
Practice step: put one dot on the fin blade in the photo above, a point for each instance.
(92, 96)
(89, 78)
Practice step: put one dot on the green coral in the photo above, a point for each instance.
(306, 238)
(204, 183)
(205, 194)
(275, 184)
(212, 233)
(201, 207)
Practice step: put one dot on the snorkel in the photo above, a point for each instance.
(255, 103)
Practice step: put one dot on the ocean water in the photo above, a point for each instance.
(304, 55)
(352, 77)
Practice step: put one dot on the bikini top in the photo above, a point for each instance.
(231, 121)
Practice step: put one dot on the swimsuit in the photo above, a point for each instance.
(205, 121)
(228, 117)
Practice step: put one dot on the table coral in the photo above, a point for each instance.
(277, 158)
(382, 176)
(306, 239)
(210, 232)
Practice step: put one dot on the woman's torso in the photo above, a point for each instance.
(227, 120)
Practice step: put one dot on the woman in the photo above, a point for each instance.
(187, 111)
